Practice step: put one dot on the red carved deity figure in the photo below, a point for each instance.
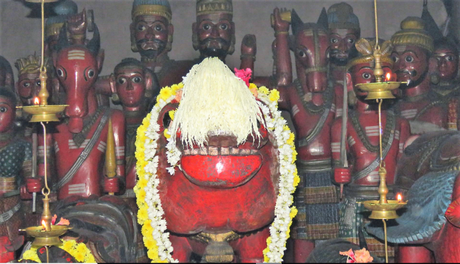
(357, 145)
(15, 167)
(152, 36)
(134, 87)
(344, 30)
(445, 85)
(309, 99)
(412, 49)
(82, 138)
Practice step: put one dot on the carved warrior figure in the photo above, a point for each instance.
(152, 36)
(15, 167)
(412, 49)
(310, 97)
(83, 135)
(28, 85)
(361, 143)
(136, 87)
(344, 30)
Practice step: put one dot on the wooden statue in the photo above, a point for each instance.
(6, 74)
(15, 157)
(310, 97)
(361, 143)
(344, 30)
(412, 49)
(152, 36)
(196, 154)
(83, 135)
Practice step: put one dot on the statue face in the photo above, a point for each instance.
(363, 73)
(214, 33)
(7, 114)
(151, 34)
(446, 63)
(28, 87)
(311, 55)
(411, 64)
(341, 41)
(130, 84)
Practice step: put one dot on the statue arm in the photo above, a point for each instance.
(404, 136)
(342, 174)
(281, 48)
(248, 52)
(118, 123)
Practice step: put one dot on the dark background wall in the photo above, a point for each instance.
(21, 36)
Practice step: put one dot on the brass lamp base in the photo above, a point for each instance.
(379, 90)
(384, 210)
(46, 238)
(44, 113)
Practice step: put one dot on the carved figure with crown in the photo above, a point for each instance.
(15, 167)
(310, 97)
(413, 47)
(360, 140)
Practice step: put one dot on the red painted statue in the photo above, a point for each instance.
(227, 173)
(344, 30)
(83, 135)
(15, 165)
(310, 97)
(412, 49)
(356, 149)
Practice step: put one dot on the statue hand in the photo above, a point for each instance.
(33, 185)
(249, 45)
(342, 175)
(76, 24)
(279, 24)
(111, 185)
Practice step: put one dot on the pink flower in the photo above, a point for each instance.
(359, 256)
(244, 74)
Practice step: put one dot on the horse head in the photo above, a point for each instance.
(77, 67)
(311, 47)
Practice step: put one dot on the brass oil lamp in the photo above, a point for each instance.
(46, 234)
(383, 208)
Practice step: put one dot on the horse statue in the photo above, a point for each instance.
(216, 172)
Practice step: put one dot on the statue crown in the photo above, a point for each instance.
(204, 7)
(413, 33)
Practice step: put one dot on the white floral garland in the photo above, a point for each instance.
(150, 214)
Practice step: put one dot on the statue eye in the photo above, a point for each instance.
(121, 80)
(409, 59)
(366, 75)
(38, 83)
(450, 58)
(137, 79)
(91, 73)
(60, 73)
(3, 109)
(334, 40)
(206, 27)
(26, 84)
(351, 41)
(140, 27)
(158, 28)
(224, 26)
(301, 53)
(394, 58)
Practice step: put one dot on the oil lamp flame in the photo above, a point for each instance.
(36, 100)
(44, 224)
(388, 77)
(399, 197)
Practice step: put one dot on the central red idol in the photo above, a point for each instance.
(215, 161)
